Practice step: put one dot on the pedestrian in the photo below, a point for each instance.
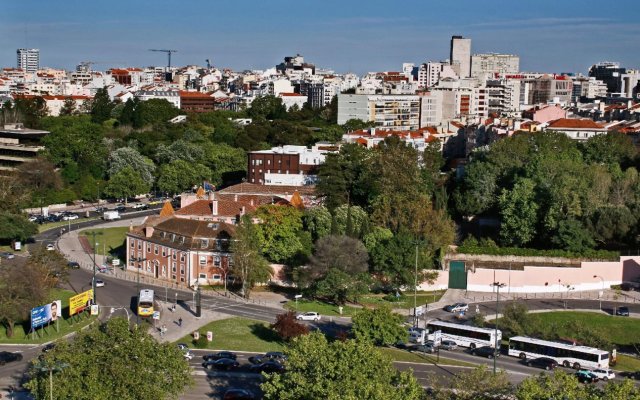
(180, 321)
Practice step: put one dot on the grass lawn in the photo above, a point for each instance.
(63, 224)
(66, 326)
(403, 355)
(109, 239)
(239, 334)
(320, 307)
(626, 363)
(620, 330)
(405, 301)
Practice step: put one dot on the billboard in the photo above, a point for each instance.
(79, 302)
(42, 315)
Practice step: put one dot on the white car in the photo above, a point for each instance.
(458, 307)
(70, 217)
(188, 355)
(51, 247)
(309, 316)
(99, 283)
(604, 374)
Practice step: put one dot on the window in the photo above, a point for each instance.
(148, 248)
(216, 277)
(173, 237)
(181, 279)
(216, 261)
(204, 243)
(203, 260)
(202, 276)
(139, 244)
(181, 257)
(174, 254)
(164, 270)
(133, 243)
(173, 277)
(155, 249)
(182, 269)
(173, 268)
(164, 251)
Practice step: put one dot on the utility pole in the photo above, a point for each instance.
(93, 282)
(497, 285)
(138, 261)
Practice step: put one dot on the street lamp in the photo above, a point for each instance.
(497, 285)
(137, 260)
(602, 291)
(93, 282)
(415, 285)
(57, 367)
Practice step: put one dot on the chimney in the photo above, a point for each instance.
(214, 207)
(235, 197)
(243, 211)
(251, 202)
(148, 231)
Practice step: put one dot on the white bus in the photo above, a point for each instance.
(465, 335)
(564, 354)
(145, 303)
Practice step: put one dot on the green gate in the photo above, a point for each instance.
(457, 275)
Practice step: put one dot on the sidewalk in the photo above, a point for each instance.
(189, 325)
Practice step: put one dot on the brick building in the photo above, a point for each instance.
(287, 165)
(197, 102)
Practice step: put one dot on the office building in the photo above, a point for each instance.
(486, 66)
(460, 56)
(28, 59)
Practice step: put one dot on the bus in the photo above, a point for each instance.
(567, 355)
(464, 335)
(145, 303)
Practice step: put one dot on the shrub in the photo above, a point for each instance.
(288, 327)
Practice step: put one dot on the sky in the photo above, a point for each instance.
(342, 35)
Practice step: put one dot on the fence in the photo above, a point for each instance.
(607, 296)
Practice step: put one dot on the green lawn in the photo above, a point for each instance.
(406, 301)
(620, 330)
(108, 239)
(66, 326)
(626, 363)
(403, 355)
(239, 334)
(63, 224)
(320, 307)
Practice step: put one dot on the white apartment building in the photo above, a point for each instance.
(485, 66)
(28, 59)
(395, 112)
(429, 74)
(588, 87)
(460, 56)
(292, 99)
(171, 96)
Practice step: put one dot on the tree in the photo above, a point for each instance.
(15, 227)
(228, 164)
(345, 370)
(39, 175)
(112, 361)
(179, 175)
(317, 221)
(573, 236)
(346, 213)
(31, 111)
(516, 319)
(280, 230)
(558, 385)
(68, 107)
(153, 111)
(267, 107)
(341, 178)
(129, 157)
(614, 148)
(477, 192)
(519, 213)
(101, 106)
(379, 326)
(288, 327)
(478, 384)
(248, 263)
(180, 150)
(126, 183)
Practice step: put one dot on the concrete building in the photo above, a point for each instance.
(172, 97)
(395, 112)
(577, 129)
(287, 165)
(588, 88)
(429, 74)
(610, 73)
(460, 55)
(28, 59)
(19, 145)
(292, 99)
(503, 96)
(484, 66)
(548, 88)
(545, 114)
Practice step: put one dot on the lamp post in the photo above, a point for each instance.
(497, 285)
(93, 282)
(57, 367)
(602, 291)
(415, 285)
(138, 260)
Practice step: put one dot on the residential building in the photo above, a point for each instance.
(503, 96)
(295, 64)
(287, 165)
(395, 112)
(610, 73)
(484, 66)
(172, 96)
(180, 251)
(293, 99)
(429, 74)
(197, 102)
(545, 114)
(588, 88)
(19, 145)
(558, 88)
(460, 56)
(28, 59)
(271, 194)
(577, 129)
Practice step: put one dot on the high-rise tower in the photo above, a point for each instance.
(460, 56)
(29, 59)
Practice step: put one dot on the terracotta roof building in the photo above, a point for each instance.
(577, 129)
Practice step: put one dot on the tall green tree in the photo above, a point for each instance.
(126, 183)
(558, 385)
(248, 263)
(68, 107)
(267, 107)
(130, 157)
(15, 227)
(180, 175)
(111, 361)
(379, 326)
(280, 231)
(519, 213)
(101, 106)
(477, 384)
(350, 370)
(342, 177)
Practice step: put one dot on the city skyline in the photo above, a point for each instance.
(355, 37)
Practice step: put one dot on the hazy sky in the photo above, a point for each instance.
(344, 35)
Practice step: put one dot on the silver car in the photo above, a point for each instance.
(448, 345)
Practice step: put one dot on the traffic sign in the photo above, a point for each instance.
(437, 338)
(156, 315)
(115, 262)
(418, 311)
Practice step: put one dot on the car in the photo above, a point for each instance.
(99, 283)
(486, 351)
(219, 355)
(457, 307)
(188, 355)
(309, 316)
(120, 208)
(140, 206)
(542, 362)
(604, 374)
(425, 348)
(155, 201)
(270, 356)
(7, 356)
(448, 345)
(70, 217)
(585, 376)
(103, 268)
(47, 348)
(73, 265)
(221, 363)
(183, 346)
(51, 247)
(238, 394)
(7, 255)
(622, 311)
(267, 367)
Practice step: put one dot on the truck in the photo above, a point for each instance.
(110, 215)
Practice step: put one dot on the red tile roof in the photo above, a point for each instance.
(569, 123)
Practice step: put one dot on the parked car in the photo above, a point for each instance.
(622, 311)
(542, 362)
(120, 208)
(100, 209)
(267, 367)
(426, 348)
(48, 347)
(183, 346)
(219, 355)
(585, 376)
(99, 283)
(604, 374)
(70, 217)
(221, 363)
(51, 247)
(155, 201)
(140, 206)
(238, 394)
(272, 355)
(309, 316)
(73, 265)
(188, 355)
(486, 351)
(457, 307)
(448, 345)
(7, 356)
(7, 255)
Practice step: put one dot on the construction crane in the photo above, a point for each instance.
(208, 64)
(168, 53)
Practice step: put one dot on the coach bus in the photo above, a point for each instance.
(464, 335)
(145, 303)
(564, 354)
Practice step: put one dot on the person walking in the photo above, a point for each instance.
(180, 321)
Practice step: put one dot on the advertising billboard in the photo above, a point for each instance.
(42, 315)
(80, 301)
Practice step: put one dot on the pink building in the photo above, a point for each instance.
(545, 113)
